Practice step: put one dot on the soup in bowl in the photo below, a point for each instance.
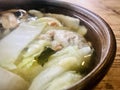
(46, 45)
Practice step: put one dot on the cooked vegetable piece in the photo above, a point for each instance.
(36, 48)
(46, 76)
(82, 30)
(36, 13)
(70, 58)
(72, 23)
(12, 45)
(11, 81)
(28, 69)
(64, 81)
(43, 58)
(67, 59)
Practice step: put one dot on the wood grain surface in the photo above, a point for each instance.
(109, 10)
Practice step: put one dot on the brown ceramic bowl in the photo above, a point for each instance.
(99, 33)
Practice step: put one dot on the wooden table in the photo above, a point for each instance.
(109, 10)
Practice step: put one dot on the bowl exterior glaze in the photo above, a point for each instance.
(99, 33)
